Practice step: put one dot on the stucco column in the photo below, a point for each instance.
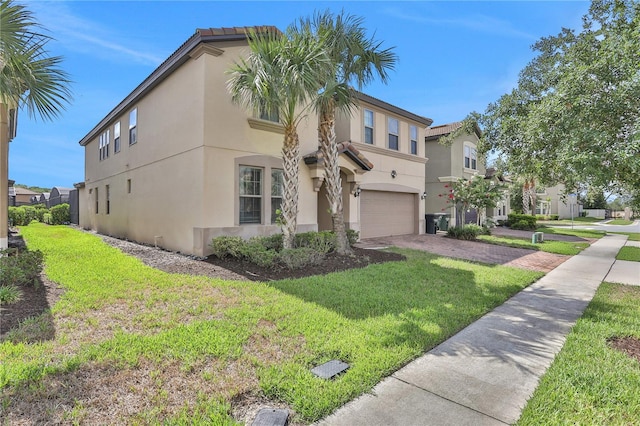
(4, 176)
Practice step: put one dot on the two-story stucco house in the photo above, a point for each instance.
(451, 162)
(176, 163)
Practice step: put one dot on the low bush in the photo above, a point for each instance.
(9, 294)
(522, 221)
(256, 252)
(20, 268)
(17, 216)
(300, 257)
(227, 247)
(324, 241)
(467, 232)
(352, 236)
(60, 214)
(555, 217)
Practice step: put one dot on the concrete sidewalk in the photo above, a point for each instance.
(485, 374)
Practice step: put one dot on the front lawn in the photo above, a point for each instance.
(582, 233)
(134, 345)
(549, 246)
(633, 236)
(590, 382)
(629, 253)
(620, 222)
(576, 220)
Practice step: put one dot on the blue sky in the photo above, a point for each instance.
(454, 57)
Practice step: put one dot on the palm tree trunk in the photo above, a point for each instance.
(526, 198)
(4, 176)
(291, 160)
(332, 180)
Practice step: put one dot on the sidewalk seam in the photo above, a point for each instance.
(447, 399)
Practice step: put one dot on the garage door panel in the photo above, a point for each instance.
(384, 213)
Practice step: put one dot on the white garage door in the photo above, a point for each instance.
(386, 213)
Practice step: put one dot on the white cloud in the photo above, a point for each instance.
(477, 22)
(91, 37)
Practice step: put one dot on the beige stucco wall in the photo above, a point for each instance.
(183, 169)
(446, 165)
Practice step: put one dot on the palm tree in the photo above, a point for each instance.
(278, 77)
(29, 78)
(356, 60)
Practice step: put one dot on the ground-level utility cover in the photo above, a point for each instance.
(271, 417)
(330, 369)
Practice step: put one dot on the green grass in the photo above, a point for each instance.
(549, 246)
(582, 233)
(633, 236)
(629, 253)
(620, 222)
(223, 339)
(576, 220)
(589, 383)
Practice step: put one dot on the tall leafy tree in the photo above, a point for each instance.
(356, 59)
(29, 78)
(279, 76)
(574, 117)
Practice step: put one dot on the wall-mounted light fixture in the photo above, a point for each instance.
(394, 174)
(424, 195)
(357, 192)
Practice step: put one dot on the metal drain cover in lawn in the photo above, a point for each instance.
(271, 417)
(330, 369)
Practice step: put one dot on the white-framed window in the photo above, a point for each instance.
(250, 190)
(470, 157)
(104, 145)
(116, 137)
(368, 126)
(133, 126)
(413, 131)
(277, 189)
(393, 133)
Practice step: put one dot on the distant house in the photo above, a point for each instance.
(21, 196)
(452, 162)
(553, 201)
(44, 199)
(59, 195)
(176, 163)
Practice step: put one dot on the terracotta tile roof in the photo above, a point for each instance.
(345, 148)
(443, 129)
(401, 112)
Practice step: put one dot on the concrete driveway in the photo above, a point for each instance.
(471, 250)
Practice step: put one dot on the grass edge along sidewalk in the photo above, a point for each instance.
(590, 382)
(219, 340)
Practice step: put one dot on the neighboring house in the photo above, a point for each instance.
(21, 196)
(176, 163)
(59, 195)
(503, 207)
(451, 162)
(44, 199)
(553, 201)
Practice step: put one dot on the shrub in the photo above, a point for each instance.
(9, 294)
(352, 236)
(323, 242)
(46, 218)
(271, 242)
(300, 257)
(227, 247)
(256, 252)
(522, 221)
(20, 268)
(17, 216)
(60, 214)
(466, 232)
(555, 217)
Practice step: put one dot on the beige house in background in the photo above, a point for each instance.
(550, 201)
(176, 163)
(449, 163)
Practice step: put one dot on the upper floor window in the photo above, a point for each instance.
(103, 146)
(393, 133)
(277, 188)
(250, 194)
(133, 126)
(470, 158)
(116, 137)
(413, 130)
(368, 126)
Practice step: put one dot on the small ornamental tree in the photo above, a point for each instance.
(476, 193)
